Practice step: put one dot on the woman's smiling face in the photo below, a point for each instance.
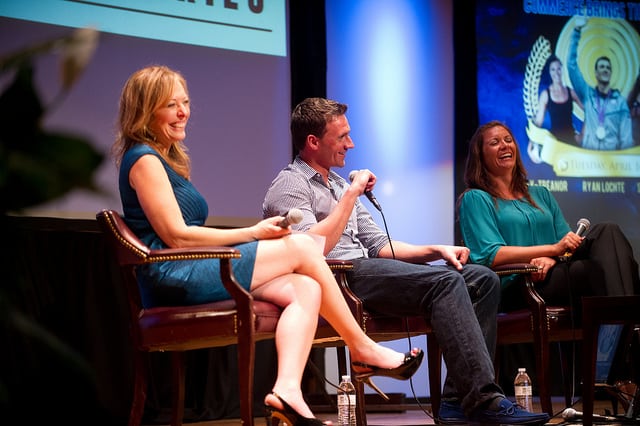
(498, 150)
(169, 122)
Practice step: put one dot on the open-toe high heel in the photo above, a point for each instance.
(369, 382)
(404, 371)
(287, 415)
(364, 372)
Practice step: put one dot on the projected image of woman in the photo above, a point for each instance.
(557, 99)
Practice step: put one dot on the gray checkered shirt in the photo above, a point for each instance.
(300, 186)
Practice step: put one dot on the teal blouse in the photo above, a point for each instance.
(487, 224)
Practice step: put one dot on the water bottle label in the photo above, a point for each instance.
(347, 399)
(523, 390)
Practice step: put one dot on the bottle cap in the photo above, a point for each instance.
(346, 377)
(521, 370)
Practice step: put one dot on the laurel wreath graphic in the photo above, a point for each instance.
(540, 52)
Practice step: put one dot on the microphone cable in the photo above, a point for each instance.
(573, 339)
(406, 324)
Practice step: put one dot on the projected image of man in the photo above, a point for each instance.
(607, 121)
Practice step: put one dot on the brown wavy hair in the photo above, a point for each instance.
(475, 172)
(143, 94)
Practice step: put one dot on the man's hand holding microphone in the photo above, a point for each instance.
(358, 177)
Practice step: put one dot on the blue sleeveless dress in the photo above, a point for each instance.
(178, 282)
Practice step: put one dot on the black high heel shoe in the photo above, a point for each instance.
(288, 415)
(404, 371)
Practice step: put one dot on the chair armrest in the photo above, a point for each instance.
(130, 250)
(340, 269)
(533, 299)
(191, 253)
(339, 264)
(514, 268)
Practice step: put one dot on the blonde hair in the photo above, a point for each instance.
(143, 94)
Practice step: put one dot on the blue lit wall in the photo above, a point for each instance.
(392, 63)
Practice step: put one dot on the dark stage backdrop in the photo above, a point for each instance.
(514, 40)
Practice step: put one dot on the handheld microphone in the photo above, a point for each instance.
(292, 217)
(369, 194)
(583, 227)
(570, 414)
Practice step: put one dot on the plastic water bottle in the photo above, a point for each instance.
(523, 390)
(346, 402)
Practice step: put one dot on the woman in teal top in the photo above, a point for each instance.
(504, 220)
(164, 209)
(512, 222)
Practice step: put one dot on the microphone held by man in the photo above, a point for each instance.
(369, 194)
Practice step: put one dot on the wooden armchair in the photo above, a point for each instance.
(541, 325)
(241, 321)
(385, 328)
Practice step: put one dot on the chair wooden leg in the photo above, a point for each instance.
(246, 370)
(566, 350)
(544, 386)
(341, 354)
(177, 367)
(590, 327)
(541, 349)
(434, 359)
(141, 375)
(361, 404)
(497, 359)
(361, 401)
(544, 379)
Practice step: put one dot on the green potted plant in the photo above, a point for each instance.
(37, 166)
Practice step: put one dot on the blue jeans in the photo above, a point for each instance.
(462, 307)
